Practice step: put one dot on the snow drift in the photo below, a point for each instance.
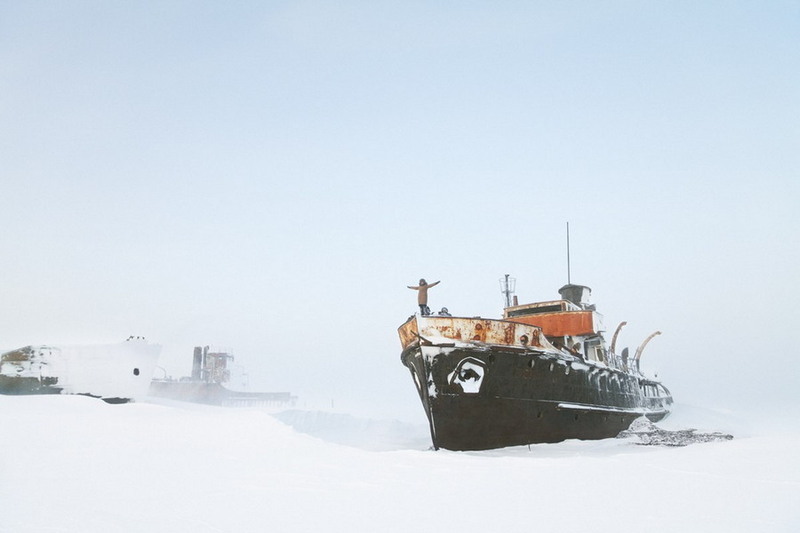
(75, 464)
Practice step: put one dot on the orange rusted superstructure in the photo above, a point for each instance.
(562, 323)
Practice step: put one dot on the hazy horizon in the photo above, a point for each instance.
(267, 178)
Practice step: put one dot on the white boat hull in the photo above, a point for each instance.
(114, 372)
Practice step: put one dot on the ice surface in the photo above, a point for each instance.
(75, 464)
(363, 433)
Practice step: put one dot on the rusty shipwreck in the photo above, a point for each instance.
(542, 373)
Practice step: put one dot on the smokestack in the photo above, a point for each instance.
(197, 363)
(577, 294)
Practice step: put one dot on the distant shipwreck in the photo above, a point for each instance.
(542, 373)
(206, 385)
(117, 373)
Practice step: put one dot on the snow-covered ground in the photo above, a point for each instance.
(75, 464)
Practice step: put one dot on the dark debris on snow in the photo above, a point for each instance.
(651, 435)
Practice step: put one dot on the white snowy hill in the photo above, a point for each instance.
(75, 464)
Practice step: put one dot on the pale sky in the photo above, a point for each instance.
(267, 177)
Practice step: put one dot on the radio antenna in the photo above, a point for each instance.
(507, 285)
(569, 280)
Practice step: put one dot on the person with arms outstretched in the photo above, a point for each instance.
(422, 296)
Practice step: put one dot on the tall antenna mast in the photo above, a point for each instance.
(507, 285)
(569, 280)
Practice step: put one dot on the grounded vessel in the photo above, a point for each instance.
(210, 372)
(117, 373)
(542, 373)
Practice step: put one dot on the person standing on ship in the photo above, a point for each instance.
(422, 296)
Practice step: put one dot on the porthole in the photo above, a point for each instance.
(135, 371)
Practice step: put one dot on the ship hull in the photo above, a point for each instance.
(480, 396)
(487, 423)
(117, 373)
(217, 394)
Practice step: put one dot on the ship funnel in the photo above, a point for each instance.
(197, 363)
(577, 294)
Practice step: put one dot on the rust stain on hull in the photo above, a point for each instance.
(482, 330)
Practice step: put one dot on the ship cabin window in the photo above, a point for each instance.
(535, 310)
(594, 351)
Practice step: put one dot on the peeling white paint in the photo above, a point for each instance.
(121, 370)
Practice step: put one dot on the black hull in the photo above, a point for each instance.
(486, 397)
(486, 423)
